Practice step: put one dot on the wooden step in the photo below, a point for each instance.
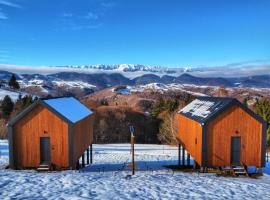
(43, 168)
(240, 172)
(238, 168)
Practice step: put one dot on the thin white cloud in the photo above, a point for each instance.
(96, 26)
(91, 16)
(9, 4)
(107, 5)
(67, 15)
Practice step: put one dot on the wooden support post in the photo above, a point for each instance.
(196, 165)
(133, 154)
(78, 165)
(188, 159)
(179, 155)
(183, 156)
(83, 161)
(91, 153)
(87, 156)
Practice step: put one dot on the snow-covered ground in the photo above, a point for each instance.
(165, 87)
(13, 95)
(108, 178)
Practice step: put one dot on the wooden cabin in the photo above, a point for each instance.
(53, 132)
(219, 132)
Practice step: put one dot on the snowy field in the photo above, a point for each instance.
(13, 95)
(108, 178)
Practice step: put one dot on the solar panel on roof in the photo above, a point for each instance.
(203, 108)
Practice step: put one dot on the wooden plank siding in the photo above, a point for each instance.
(234, 122)
(40, 122)
(82, 137)
(189, 132)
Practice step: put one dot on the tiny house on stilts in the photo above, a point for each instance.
(53, 133)
(220, 132)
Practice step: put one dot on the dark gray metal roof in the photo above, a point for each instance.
(203, 109)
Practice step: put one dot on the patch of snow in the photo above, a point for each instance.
(33, 83)
(79, 84)
(108, 178)
(165, 87)
(12, 94)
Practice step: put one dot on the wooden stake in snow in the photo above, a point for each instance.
(131, 129)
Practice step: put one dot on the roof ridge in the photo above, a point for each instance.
(58, 97)
(219, 98)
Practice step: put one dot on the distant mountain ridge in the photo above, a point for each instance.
(122, 67)
(86, 83)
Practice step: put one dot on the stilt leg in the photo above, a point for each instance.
(195, 165)
(83, 161)
(183, 156)
(87, 156)
(91, 153)
(78, 165)
(179, 154)
(188, 159)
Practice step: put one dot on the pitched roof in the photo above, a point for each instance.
(203, 109)
(69, 107)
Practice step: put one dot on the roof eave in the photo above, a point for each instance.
(23, 113)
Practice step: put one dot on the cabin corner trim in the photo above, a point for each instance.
(10, 146)
(70, 146)
(204, 145)
(264, 133)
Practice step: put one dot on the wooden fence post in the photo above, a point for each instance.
(133, 159)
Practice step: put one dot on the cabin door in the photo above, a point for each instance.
(235, 150)
(45, 152)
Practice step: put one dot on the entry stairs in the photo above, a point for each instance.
(235, 170)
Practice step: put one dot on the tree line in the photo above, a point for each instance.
(262, 108)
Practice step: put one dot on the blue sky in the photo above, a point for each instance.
(153, 32)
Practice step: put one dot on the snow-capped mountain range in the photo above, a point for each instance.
(120, 67)
(136, 70)
(85, 79)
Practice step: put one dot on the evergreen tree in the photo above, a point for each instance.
(172, 105)
(104, 102)
(23, 102)
(159, 106)
(7, 106)
(262, 108)
(13, 82)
